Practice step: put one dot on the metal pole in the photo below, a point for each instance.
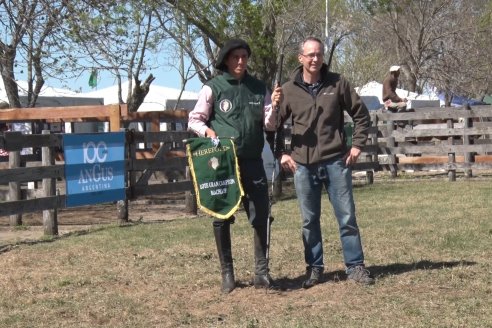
(326, 26)
(278, 81)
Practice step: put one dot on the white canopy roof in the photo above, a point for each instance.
(46, 91)
(159, 98)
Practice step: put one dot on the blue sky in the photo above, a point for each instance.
(166, 77)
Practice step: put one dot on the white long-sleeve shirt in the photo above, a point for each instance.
(198, 117)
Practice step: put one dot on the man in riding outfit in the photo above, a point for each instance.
(234, 104)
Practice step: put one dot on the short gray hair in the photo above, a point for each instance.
(309, 38)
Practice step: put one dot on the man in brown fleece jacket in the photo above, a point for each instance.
(316, 99)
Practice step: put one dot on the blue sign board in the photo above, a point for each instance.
(94, 168)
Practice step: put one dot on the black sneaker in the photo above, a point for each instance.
(313, 275)
(360, 274)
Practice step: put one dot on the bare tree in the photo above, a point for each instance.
(211, 23)
(188, 42)
(297, 20)
(433, 41)
(409, 32)
(116, 36)
(464, 62)
(28, 27)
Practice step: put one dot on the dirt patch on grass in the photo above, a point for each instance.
(150, 209)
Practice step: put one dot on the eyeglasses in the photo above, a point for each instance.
(312, 55)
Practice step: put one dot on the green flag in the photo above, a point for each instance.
(93, 79)
(215, 173)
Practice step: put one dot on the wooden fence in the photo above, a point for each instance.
(436, 139)
(117, 115)
(450, 139)
(140, 165)
(166, 153)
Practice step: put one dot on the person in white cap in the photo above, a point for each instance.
(391, 100)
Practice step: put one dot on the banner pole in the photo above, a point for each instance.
(278, 81)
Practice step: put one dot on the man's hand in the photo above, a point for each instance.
(277, 96)
(351, 156)
(287, 163)
(210, 133)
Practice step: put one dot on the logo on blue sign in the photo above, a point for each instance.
(94, 168)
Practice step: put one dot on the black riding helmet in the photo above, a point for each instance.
(227, 48)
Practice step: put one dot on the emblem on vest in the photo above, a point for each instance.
(225, 105)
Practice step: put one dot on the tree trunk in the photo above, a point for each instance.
(7, 59)
(139, 92)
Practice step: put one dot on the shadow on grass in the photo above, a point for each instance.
(80, 232)
(49, 239)
(377, 271)
(381, 271)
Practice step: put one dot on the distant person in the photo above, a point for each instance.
(235, 104)
(316, 99)
(391, 100)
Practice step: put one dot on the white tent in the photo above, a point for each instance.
(46, 91)
(373, 89)
(158, 99)
(52, 97)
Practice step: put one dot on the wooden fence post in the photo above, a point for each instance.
(369, 174)
(14, 187)
(50, 220)
(114, 118)
(122, 205)
(466, 141)
(374, 137)
(372, 141)
(122, 210)
(132, 157)
(190, 197)
(155, 127)
(391, 143)
(393, 167)
(451, 156)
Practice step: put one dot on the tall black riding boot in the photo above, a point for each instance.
(262, 276)
(222, 235)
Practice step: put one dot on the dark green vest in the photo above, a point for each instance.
(238, 112)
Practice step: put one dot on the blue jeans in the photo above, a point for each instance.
(336, 177)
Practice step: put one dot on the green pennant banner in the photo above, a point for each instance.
(93, 78)
(215, 173)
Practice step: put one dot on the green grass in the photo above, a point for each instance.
(21, 227)
(427, 242)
